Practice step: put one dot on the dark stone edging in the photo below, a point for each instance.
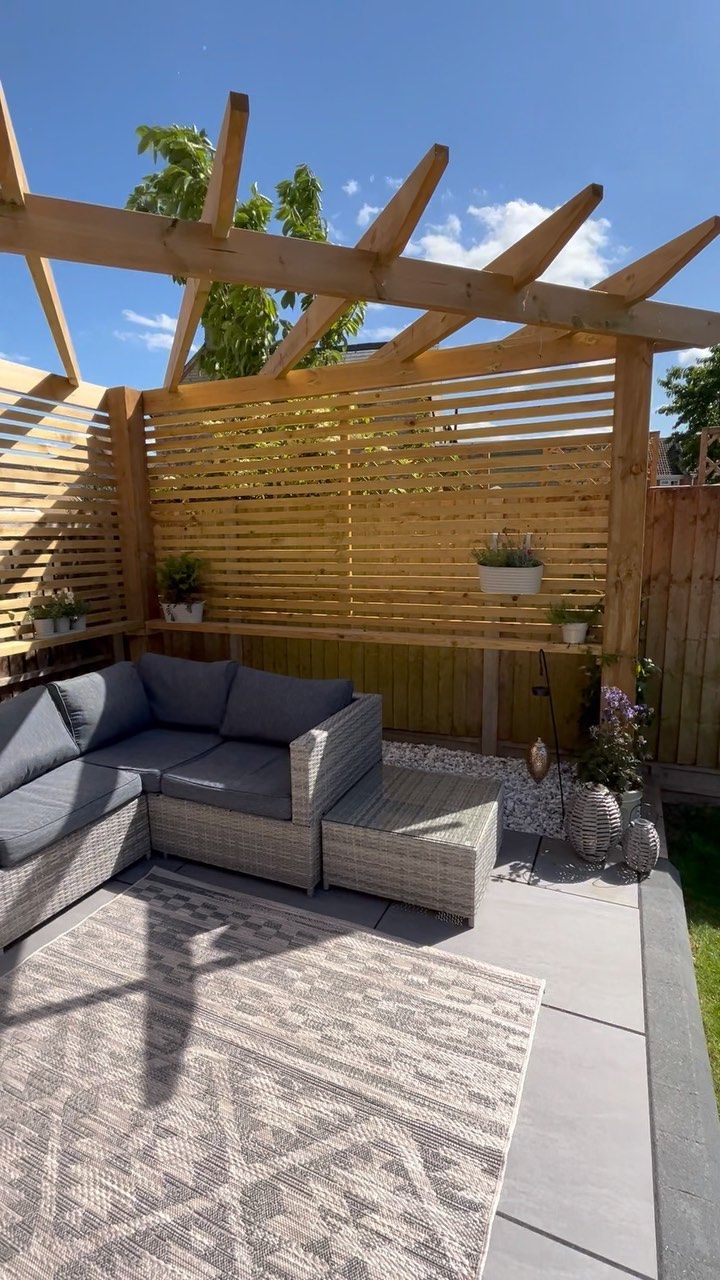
(684, 1118)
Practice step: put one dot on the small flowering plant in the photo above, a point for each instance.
(618, 746)
(503, 551)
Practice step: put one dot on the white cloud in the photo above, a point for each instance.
(351, 187)
(394, 183)
(366, 213)
(165, 323)
(12, 357)
(383, 333)
(692, 355)
(154, 333)
(585, 259)
(376, 306)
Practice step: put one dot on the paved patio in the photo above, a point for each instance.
(577, 1202)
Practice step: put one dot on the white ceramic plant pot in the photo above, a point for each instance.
(498, 581)
(574, 632)
(629, 802)
(183, 612)
(79, 623)
(44, 627)
(62, 626)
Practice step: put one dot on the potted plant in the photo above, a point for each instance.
(179, 585)
(508, 567)
(573, 620)
(43, 613)
(76, 610)
(618, 750)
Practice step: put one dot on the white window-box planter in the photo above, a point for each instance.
(62, 626)
(574, 632)
(504, 581)
(183, 612)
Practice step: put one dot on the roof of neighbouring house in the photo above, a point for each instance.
(356, 351)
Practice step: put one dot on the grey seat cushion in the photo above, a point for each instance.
(269, 708)
(58, 803)
(151, 752)
(247, 777)
(103, 706)
(184, 692)
(33, 738)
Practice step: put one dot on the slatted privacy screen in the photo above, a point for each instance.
(58, 504)
(355, 514)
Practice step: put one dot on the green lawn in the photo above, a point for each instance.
(693, 835)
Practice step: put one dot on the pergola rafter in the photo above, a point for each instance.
(218, 211)
(80, 232)
(524, 261)
(14, 189)
(387, 236)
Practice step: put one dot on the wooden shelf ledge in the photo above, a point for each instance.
(360, 636)
(10, 647)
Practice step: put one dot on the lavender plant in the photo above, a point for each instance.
(618, 747)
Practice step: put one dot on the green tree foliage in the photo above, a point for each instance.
(694, 399)
(243, 325)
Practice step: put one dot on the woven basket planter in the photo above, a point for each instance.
(505, 581)
(593, 822)
(641, 846)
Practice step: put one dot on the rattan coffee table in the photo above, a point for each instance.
(430, 839)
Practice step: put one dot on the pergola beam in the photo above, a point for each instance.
(218, 212)
(647, 275)
(123, 238)
(387, 236)
(524, 261)
(13, 189)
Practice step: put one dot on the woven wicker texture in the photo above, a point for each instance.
(207, 1085)
(266, 847)
(430, 839)
(593, 822)
(46, 883)
(641, 846)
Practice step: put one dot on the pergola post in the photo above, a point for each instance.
(127, 429)
(628, 489)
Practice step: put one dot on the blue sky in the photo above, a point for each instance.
(534, 101)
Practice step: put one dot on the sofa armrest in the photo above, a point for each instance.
(329, 759)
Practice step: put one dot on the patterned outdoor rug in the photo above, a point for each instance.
(202, 1084)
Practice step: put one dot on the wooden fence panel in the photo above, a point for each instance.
(59, 524)
(682, 621)
(353, 516)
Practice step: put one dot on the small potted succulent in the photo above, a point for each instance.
(507, 566)
(43, 613)
(76, 610)
(180, 588)
(573, 620)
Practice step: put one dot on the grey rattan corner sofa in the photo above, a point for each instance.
(211, 761)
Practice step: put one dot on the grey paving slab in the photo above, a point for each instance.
(359, 908)
(139, 869)
(519, 1253)
(557, 867)
(580, 1163)
(517, 853)
(587, 951)
(24, 947)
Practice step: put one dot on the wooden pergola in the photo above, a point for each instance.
(548, 428)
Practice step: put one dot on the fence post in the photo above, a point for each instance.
(127, 431)
(628, 494)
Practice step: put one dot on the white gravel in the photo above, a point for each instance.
(528, 805)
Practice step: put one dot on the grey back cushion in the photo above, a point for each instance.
(103, 705)
(186, 693)
(269, 708)
(33, 739)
